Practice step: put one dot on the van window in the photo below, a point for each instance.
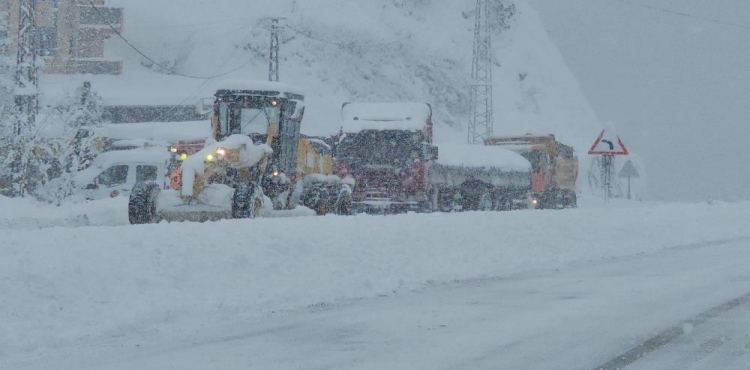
(145, 173)
(115, 175)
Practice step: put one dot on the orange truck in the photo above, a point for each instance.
(554, 168)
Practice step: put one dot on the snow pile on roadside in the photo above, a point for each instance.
(27, 213)
(69, 285)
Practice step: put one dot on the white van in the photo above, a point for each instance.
(114, 174)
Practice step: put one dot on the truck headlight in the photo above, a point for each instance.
(221, 152)
(209, 158)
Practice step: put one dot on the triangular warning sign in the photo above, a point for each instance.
(629, 171)
(608, 146)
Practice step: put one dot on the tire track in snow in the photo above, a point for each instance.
(669, 335)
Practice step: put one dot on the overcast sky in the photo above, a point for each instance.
(677, 88)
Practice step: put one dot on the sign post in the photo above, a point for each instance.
(628, 171)
(608, 148)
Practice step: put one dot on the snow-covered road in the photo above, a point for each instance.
(577, 317)
(467, 290)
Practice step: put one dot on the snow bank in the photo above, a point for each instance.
(357, 117)
(27, 213)
(454, 155)
(63, 286)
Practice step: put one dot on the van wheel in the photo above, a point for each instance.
(142, 203)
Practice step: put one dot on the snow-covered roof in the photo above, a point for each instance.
(154, 155)
(456, 155)
(357, 117)
(156, 131)
(253, 85)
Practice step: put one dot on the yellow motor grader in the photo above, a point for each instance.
(256, 163)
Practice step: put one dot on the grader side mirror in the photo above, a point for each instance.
(204, 106)
(299, 110)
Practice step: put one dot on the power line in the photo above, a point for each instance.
(362, 45)
(310, 36)
(686, 15)
(194, 93)
(170, 70)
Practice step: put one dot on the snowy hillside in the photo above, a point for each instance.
(348, 51)
(338, 51)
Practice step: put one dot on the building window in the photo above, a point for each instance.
(100, 16)
(47, 41)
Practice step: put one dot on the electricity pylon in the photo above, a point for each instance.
(480, 95)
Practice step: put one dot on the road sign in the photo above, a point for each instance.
(629, 171)
(605, 145)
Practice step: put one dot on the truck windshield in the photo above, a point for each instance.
(247, 116)
(384, 148)
(535, 158)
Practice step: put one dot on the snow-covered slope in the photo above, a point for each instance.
(339, 51)
(380, 50)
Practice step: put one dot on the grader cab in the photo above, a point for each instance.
(251, 166)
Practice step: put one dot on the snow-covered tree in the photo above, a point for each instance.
(43, 161)
(501, 14)
(73, 142)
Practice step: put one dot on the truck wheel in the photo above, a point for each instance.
(321, 208)
(485, 201)
(344, 204)
(243, 202)
(142, 204)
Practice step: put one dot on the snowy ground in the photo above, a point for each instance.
(69, 287)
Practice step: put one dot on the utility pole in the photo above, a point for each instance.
(27, 80)
(273, 55)
(480, 95)
(26, 95)
(608, 166)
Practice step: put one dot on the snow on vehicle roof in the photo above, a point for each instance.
(457, 155)
(253, 85)
(357, 117)
(170, 132)
(152, 155)
(518, 148)
(320, 142)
